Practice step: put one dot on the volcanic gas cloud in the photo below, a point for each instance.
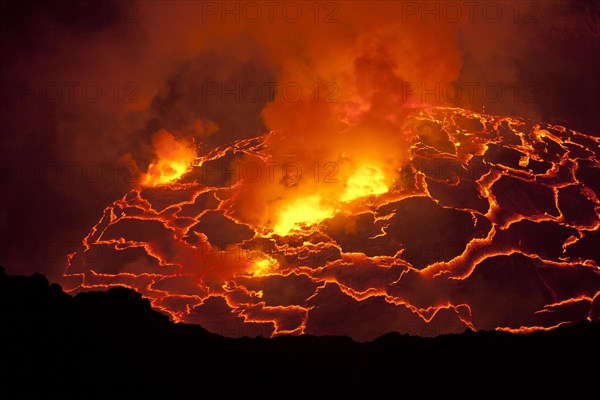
(369, 213)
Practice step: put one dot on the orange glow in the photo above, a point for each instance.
(172, 159)
(323, 256)
(263, 266)
(367, 180)
(303, 211)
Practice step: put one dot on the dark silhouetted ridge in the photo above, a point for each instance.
(113, 341)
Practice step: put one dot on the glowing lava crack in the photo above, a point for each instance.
(488, 223)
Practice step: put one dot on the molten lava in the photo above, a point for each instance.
(173, 159)
(263, 266)
(486, 223)
(305, 211)
(366, 181)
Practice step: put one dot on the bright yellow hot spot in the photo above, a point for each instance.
(263, 266)
(303, 211)
(367, 180)
(172, 159)
(164, 171)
